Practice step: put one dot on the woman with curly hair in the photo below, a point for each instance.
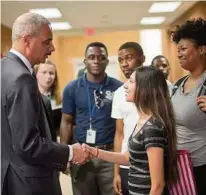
(189, 105)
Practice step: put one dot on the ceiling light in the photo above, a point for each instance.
(60, 26)
(164, 7)
(48, 12)
(152, 20)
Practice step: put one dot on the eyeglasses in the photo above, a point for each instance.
(98, 98)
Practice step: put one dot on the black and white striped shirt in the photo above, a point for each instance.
(152, 134)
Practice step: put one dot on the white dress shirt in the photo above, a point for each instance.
(23, 58)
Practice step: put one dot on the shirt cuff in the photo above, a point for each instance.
(70, 153)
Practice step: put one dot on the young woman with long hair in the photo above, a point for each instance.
(152, 154)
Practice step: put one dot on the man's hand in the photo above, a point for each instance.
(117, 184)
(79, 155)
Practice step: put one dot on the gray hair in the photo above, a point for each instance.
(28, 24)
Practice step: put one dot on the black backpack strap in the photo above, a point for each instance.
(203, 89)
(177, 84)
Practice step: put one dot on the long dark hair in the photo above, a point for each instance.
(152, 96)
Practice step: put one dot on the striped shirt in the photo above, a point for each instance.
(152, 134)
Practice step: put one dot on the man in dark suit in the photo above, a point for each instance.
(30, 158)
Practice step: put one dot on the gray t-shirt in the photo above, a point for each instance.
(191, 122)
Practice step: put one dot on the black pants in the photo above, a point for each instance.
(200, 178)
(124, 181)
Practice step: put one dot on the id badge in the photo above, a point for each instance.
(91, 136)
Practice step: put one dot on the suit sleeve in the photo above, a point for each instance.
(23, 116)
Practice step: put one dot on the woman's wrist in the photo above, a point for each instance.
(97, 152)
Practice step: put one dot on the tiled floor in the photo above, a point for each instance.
(66, 184)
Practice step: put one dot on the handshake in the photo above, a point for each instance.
(83, 153)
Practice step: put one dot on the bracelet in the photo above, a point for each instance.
(97, 154)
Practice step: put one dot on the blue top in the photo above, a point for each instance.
(76, 102)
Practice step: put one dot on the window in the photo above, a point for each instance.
(151, 42)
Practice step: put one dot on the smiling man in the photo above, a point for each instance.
(89, 100)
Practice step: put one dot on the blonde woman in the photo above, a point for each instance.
(47, 79)
(46, 75)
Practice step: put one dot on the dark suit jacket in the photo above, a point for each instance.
(48, 107)
(28, 155)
